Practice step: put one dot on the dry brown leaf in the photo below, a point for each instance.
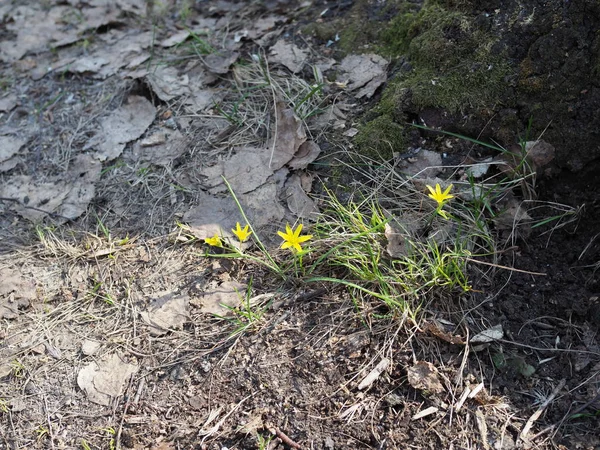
(8, 102)
(424, 164)
(425, 377)
(16, 293)
(288, 55)
(289, 136)
(364, 72)
(123, 125)
(166, 312)
(160, 148)
(9, 146)
(306, 154)
(298, 202)
(216, 300)
(220, 62)
(104, 380)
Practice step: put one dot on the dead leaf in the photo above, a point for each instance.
(513, 214)
(67, 195)
(289, 136)
(9, 146)
(216, 300)
(167, 83)
(166, 312)
(7, 103)
(220, 63)
(211, 216)
(16, 293)
(539, 153)
(247, 169)
(425, 377)
(307, 153)
(364, 72)
(288, 55)
(104, 380)
(490, 335)
(161, 148)
(424, 164)
(299, 203)
(123, 125)
(374, 374)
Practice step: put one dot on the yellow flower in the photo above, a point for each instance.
(292, 239)
(215, 241)
(241, 233)
(439, 196)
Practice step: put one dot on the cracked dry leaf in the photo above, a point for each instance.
(167, 83)
(289, 136)
(113, 51)
(229, 293)
(166, 312)
(307, 153)
(264, 209)
(220, 63)
(67, 195)
(7, 103)
(365, 73)
(16, 293)
(424, 164)
(160, 148)
(247, 169)
(298, 202)
(105, 380)
(123, 125)
(288, 55)
(425, 377)
(9, 146)
(212, 215)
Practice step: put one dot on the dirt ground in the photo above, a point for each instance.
(117, 121)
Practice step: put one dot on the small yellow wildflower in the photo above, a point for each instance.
(439, 196)
(215, 241)
(292, 239)
(241, 233)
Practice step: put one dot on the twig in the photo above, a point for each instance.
(50, 432)
(285, 438)
(535, 416)
(127, 403)
(512, 269)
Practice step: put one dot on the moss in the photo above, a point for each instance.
(358, 30)
(380, 138)
(454, 64)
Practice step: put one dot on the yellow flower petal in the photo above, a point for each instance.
(241, 233)
(292, 239)
(215, 241)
